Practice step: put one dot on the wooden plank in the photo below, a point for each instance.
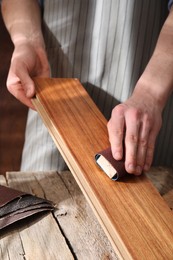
(132, 213)
(77, 220)
(39, 240)
(11, 247)
(74, 216)
(42, 239)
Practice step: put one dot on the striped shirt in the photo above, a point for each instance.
(106, 44)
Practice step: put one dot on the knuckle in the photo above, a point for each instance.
(10, 87)
(132, 138)
(119, 133)
(143, 143)
(118, 110)
(135, 113)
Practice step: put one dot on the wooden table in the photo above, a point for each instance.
(71, 232)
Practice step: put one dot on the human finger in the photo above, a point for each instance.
(151, 147)
(19, 74)
(131, 141)
(18, 92)
(143, 142)
(116, 131)
(21, 85)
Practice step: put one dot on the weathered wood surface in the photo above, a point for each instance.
(162, 178)
(70, 232)
(168, 197)
(74, 216)
(134, 216)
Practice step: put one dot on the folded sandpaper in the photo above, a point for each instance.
(113, 168)
(16, 205)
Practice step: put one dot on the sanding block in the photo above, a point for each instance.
(113, 168)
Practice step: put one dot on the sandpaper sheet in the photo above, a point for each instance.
(16, 205)
(113, 168)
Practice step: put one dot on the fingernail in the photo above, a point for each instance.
(117, 155)
(131, 168)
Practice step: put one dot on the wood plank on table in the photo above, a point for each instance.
(134, 216)
(79, 227)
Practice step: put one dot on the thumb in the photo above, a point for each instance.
(21, 86)
(26, 83)
(20, 75)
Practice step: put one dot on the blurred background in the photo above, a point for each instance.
(12, 112)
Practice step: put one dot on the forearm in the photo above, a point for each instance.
(157, 79)
(23, 21)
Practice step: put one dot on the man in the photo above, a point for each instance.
(106, 44)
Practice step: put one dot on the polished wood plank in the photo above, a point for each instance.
(134, 216)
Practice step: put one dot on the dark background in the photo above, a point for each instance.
(12, 112)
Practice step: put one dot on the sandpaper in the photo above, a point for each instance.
(113, 168)
(16, 205)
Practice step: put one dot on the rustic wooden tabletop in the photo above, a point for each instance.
(70, 232)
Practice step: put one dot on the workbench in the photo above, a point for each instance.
(72, 230)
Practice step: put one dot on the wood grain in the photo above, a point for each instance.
(134, 216)
(70, 232)
(37, 239)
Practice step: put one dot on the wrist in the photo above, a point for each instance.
(32, 38)
(148, 91)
